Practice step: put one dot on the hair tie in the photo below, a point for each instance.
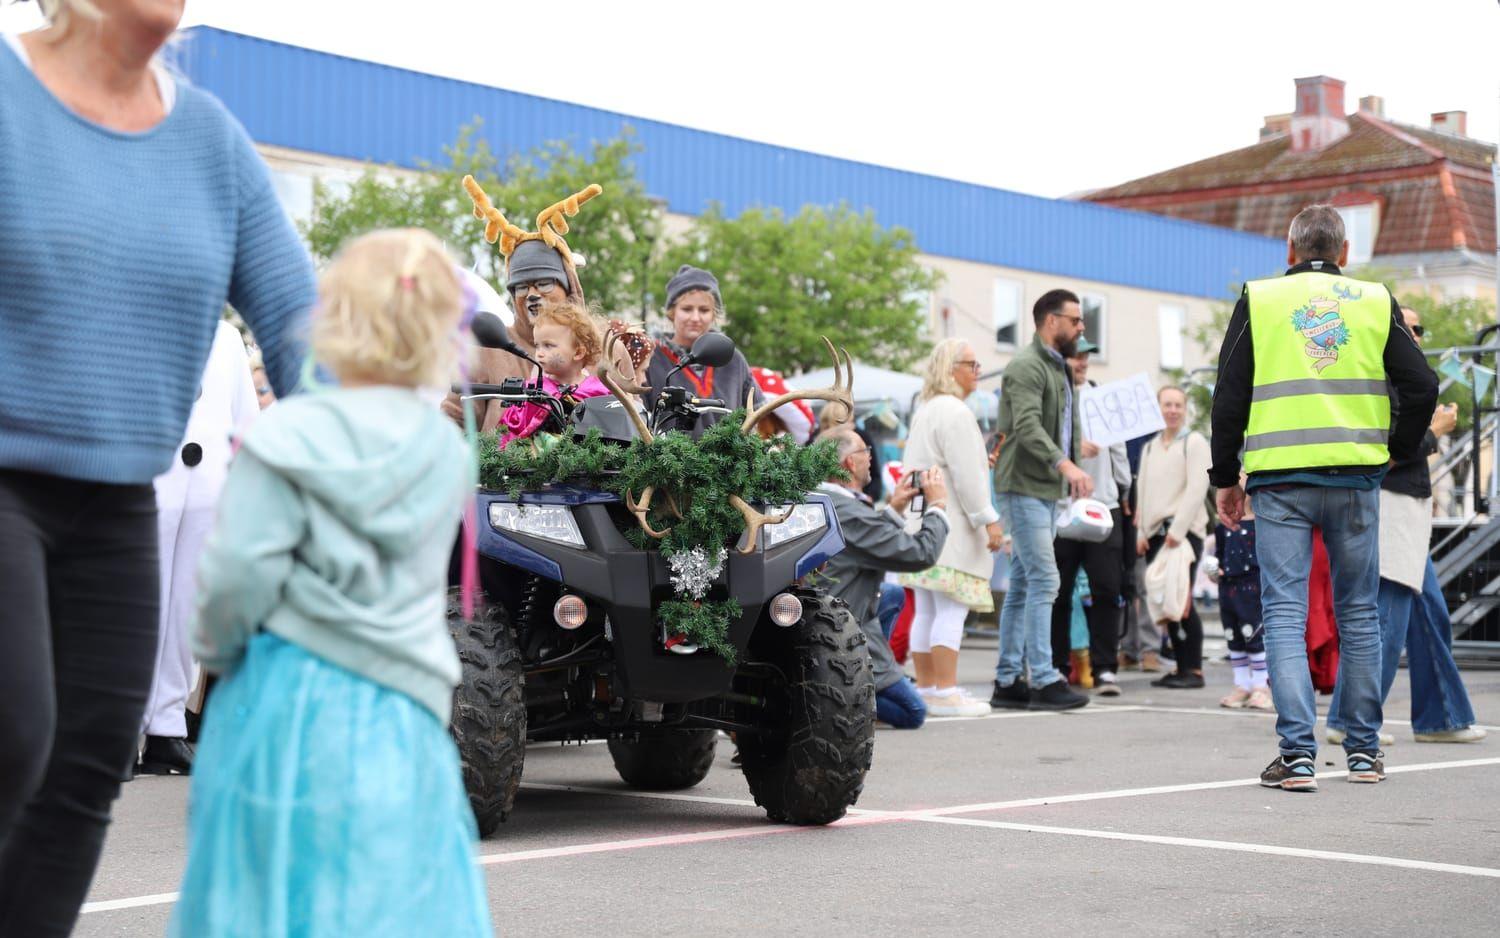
(407, 281)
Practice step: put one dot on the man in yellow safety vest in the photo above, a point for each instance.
(1308, 371)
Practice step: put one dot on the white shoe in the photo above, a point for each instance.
(956, 704)
(1336, 737)
(1469, 734)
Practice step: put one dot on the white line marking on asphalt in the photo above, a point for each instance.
(1013, 714)
(1267, 849)
(109, 905)
(672, 840)
(861, 817)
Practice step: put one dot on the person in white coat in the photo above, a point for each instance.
(187, 497)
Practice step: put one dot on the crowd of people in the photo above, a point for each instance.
(308, 569)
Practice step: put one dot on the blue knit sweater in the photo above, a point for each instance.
(118, 252)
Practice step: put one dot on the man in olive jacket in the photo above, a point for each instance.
(1035, 468)
(875, 542)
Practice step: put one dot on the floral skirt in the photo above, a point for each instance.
(323, 803)
(966, 588)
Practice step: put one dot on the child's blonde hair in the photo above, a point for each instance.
(388, 309)
(584, 326)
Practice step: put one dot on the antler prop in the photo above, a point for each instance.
(640, 508)
(495, 225)
(842, 392)
(754, 521)
(622, 387)
(552, 222)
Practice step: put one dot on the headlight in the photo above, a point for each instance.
(804, 519)
(549, 522)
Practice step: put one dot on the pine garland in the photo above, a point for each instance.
(697, 476)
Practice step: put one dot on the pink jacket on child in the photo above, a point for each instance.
(521, 422)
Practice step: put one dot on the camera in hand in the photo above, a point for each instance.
(918, 479)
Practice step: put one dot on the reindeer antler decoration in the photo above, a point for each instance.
(551, 222)
(840, 394)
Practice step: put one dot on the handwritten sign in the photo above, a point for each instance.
(1120, 411)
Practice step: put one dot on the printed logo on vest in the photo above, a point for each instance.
(1323, 327)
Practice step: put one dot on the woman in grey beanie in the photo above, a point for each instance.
(693, 307)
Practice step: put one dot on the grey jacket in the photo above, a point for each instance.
(876, 542)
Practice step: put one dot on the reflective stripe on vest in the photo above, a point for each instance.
(1320, 397)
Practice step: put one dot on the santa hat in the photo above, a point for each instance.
(796, 416)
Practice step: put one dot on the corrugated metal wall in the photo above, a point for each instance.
(306, 100)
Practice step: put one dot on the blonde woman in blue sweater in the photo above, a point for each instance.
(327, 797)
(132, 208)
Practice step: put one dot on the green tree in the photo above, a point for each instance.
(615, 233)
(788, 280)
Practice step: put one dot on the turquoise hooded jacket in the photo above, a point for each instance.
(334, 532)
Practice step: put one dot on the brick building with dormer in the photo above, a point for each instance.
(1418, 203)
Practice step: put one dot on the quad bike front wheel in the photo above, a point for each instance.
(814, 770)
(489, 710)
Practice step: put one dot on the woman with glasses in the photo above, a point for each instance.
(945, 435)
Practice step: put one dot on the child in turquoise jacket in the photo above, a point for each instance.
(327, 797)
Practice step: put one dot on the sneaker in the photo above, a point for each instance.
(956, 704)
(1336, 737)
(166, 755)
(1260, 699)
(1294, 773)
(1013, 696)
(679, 645)
(1179, 681)
(1126, 663)
(1235, 699)
(1468, 734)
(1366, 767)
(1057, 696)
(1150, 661)
(1105, 684)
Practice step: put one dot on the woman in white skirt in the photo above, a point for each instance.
(945, 435)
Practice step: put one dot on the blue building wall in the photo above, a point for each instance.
(306, 100)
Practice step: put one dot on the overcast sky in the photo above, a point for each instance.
(1049, 98)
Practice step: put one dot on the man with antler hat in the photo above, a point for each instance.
(540, 273)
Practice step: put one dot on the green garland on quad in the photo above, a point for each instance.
(696, 477)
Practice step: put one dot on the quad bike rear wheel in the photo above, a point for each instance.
(815, 770)
(489, 710)
(664, 760)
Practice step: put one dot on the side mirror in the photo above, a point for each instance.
(714, 349)
(490, 332)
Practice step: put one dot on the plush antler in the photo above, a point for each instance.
(841, 393)
(754, 521)
(495, 225)
(552, 221)
(640, 509)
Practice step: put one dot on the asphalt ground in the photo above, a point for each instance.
(1137, 816)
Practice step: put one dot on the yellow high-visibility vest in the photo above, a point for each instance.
(1320, 396)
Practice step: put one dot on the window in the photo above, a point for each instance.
(1009, 296)
(1096, 323)
(1171, 322)
(1360, 224)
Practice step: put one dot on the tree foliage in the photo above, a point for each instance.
(616, 233)
(787, 280)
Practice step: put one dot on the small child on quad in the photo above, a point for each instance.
(567, 346)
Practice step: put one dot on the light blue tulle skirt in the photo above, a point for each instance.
(323, 803)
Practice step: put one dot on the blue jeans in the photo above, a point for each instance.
(1350, 521)
(1026, 616)
(892, 598)
(900, 706)
(1419, 624)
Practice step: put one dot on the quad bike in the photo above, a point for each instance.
(566, 644)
